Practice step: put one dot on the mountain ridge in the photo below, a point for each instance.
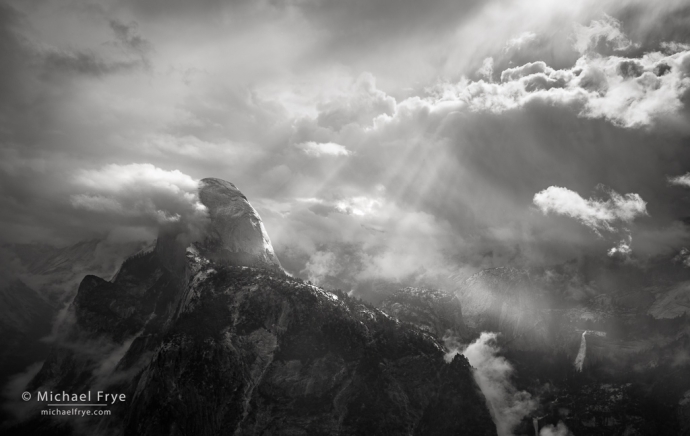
(209, 346)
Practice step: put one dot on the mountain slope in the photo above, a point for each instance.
(255, 353)
(203, 342)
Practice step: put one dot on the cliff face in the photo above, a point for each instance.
(213, 348)
(236, 234)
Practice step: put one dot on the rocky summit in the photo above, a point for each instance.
(235, 234)
(213, 338)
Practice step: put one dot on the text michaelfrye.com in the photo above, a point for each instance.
(74, 412)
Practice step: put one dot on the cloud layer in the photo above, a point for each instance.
(683, 180)
(378, 141)
(318, 149)
(136, 196)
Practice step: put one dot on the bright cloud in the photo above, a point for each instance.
(557, 430)
(357, 206)
(596, 214)
(139, 191)
(521, 40)
(487, 69)
(321, 265)
(116, 178)
(622, 249)
(493, 373)
(318, 149)
(683, 180)
(629, 92)
(606, 30)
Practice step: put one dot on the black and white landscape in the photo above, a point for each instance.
(320, 217)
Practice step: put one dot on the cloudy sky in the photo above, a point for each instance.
(378, 139)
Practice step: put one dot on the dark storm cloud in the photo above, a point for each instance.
(16, 106)
(343, 23)
(132, 54)
(642, 24)
(385, 25)
(85, 63)
(36, 140)
(129, 37)
(180, 8)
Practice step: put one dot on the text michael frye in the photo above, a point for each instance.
(86, 397)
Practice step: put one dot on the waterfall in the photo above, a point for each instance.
(580, 359)
(535, 422)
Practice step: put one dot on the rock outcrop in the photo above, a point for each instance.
(235, 235)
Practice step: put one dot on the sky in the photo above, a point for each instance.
(380, 141)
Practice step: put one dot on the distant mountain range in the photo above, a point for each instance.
(43, 283)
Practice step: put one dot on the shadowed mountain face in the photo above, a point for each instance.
(25, 318)
(40, 282)
(212, 343)
(55, 273)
